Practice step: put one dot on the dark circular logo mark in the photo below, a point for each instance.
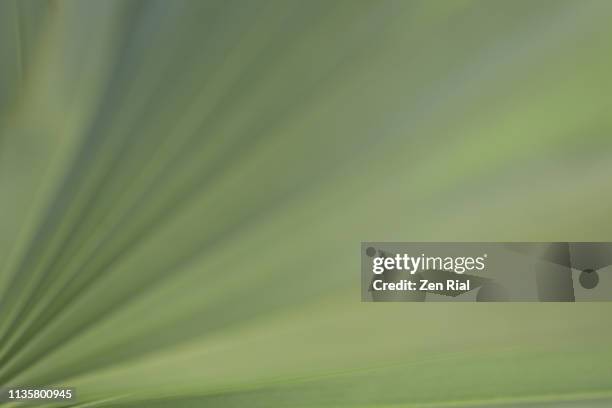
(371, 251)
(589, 279)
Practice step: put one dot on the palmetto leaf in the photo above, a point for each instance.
(184, 187)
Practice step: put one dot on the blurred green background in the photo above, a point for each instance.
(184, 186)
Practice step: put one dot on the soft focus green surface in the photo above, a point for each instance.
(184, 186)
